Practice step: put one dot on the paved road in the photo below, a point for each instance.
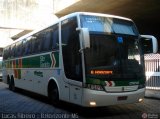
(22, 104)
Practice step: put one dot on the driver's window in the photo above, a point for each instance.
(70, 49)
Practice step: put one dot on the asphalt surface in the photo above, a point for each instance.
(25, 105)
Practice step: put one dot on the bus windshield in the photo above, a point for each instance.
(108, 25)
(113, 56)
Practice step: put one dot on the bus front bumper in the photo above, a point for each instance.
(93, 98)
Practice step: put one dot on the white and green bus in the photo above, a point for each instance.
(88, 59)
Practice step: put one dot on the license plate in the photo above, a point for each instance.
(120, 98)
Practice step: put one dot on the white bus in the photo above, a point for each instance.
(88, 59)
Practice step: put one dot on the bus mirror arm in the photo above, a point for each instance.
(80, 50)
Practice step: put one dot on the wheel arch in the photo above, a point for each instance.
(52, 82)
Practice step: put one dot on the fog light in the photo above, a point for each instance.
(92, 103)
(140, 99)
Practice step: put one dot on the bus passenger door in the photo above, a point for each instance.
(72, 59)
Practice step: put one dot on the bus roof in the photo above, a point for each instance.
(94, 14)
(68, 16)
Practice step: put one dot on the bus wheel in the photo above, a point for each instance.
(53, 94)
(11, 84)
(8, 79)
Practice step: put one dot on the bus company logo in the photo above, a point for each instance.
(44, 63)
(38, 73)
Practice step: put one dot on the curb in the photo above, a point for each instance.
(150, 93)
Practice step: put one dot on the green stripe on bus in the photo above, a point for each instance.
(41, 61)
(95, 81)
(126, 83)
(31, 62)
(117, 83)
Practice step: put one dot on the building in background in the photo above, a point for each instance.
(19, 17)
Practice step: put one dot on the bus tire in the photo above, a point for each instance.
(53, 93)
(11, 84)
(8, 79)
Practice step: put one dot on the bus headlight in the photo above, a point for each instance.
(94, 87)
(140, 99)
(92, 103)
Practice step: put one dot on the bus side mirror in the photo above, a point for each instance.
(149, 44)
(84, 34)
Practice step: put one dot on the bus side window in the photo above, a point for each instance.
(12, 55)
(27, 47)
(55, 41)
(5, 56)
(37, 45)
(38, 42)
(19, 49)
(48, 39)
(7, 53)
(42, 40)
(34, 45)
(23, 47)
(29, 51)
